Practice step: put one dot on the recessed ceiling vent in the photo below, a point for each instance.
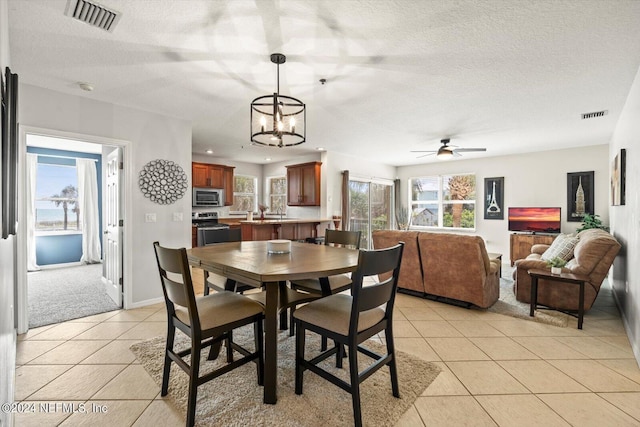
(594, 114)
(92, 13)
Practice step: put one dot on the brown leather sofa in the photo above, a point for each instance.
(445, 265)
(592, 256)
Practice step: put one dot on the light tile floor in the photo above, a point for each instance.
(496, 370)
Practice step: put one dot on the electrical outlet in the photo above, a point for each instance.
(177, 216)
(149, 217)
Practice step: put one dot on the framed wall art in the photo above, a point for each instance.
(494, 198)
(618, 178)
(579, 195)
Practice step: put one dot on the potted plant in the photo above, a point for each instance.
(556, 265)
(591, 221)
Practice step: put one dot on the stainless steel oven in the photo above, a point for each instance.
(208, 197)
(210, 231)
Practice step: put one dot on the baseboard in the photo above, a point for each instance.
(65, 265)
(635, 346)
(147, 302)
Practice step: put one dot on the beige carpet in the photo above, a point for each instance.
(508, 305)
(235, 399)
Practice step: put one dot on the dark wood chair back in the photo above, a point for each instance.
(177, 285)
(342, 238)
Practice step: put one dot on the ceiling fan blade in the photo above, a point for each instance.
(455, 153)
(424, 155)
(469, 150)
(424, 151)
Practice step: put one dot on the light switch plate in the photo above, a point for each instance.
(149, 217)
(177, 216)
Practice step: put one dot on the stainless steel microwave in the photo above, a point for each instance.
(208, 197)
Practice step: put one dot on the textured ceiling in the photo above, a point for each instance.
(511, 76)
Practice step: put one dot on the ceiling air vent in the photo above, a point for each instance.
(594, 114)
(92, 13)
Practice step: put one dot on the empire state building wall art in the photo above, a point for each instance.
(579, 195)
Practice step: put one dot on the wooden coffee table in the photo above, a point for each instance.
(576, 279)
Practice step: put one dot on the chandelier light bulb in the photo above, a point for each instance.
(292, 125)
(263, 123)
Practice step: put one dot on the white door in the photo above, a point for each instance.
(113, 229)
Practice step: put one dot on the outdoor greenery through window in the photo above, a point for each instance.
(245, 196)
(277, 194)
(56, 198)
(446, 201)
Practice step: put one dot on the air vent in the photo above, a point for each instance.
(594, 114)
(92, 13)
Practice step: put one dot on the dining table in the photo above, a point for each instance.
(249, 262)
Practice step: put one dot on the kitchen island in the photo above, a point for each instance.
(290, 229)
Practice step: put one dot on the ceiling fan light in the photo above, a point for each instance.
(444, 154)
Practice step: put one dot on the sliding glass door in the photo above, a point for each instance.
(370, 207)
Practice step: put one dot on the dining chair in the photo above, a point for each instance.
(326, 286)
(349, 320)
(207, 321)
(217, 282)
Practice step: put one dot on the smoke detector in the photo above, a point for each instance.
(92, 13)
(85, 86)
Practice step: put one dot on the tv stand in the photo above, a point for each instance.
(521, 243)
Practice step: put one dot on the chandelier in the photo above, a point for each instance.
(278, 120)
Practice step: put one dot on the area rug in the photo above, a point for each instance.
(235, 399)
(508, 305)
(62, 294)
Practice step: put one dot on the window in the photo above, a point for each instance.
(446, 201)
(57, 209)
(245, 196)
(277, 194)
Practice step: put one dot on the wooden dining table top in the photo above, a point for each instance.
(249, 261)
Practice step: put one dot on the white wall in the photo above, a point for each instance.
(625, 220)
(7, 266)
(151, 136)
(533, 179)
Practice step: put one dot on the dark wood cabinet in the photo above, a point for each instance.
(228, 185)
(303, 184)
(207, 175)
(521, 244)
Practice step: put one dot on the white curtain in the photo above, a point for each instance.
(88, 203)
(32, 168)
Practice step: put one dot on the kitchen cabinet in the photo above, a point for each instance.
(290, 229)
(303, 184)
(207, 175)
(228, 185)
(521, 244)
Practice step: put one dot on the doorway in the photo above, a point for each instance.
(370, 207)
(71, 203)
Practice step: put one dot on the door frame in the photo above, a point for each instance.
(22, 305)
(381, 181)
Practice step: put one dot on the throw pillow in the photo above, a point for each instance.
(561, 247)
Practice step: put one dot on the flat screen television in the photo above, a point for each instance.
(535, 220)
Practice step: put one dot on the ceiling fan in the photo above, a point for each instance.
(447, 151)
